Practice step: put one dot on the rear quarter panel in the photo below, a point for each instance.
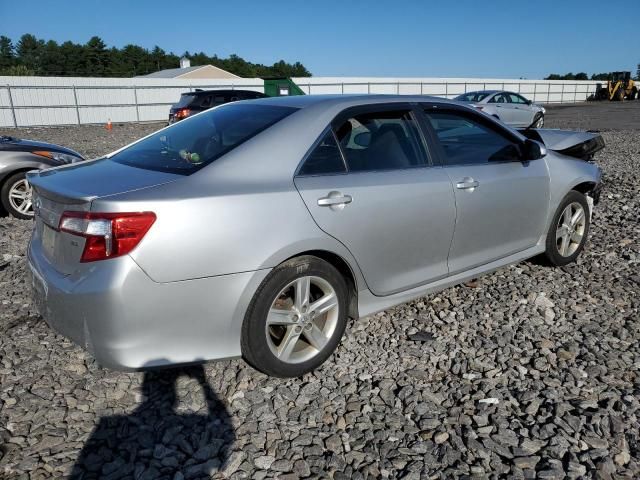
(224, 229)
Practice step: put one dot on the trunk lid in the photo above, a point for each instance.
(74, 187)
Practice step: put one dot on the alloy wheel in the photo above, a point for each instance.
(570, 229)
(20, 195)
(302, 319)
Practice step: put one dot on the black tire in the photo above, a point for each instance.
(538, 118)
(255, 346)
(619, 94)
(4, 196)
(552, 251)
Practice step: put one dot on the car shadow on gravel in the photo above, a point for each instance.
(156, 440)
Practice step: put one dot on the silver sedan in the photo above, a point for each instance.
(258, 228)
(509, 107)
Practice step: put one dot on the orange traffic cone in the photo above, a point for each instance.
(109, 126)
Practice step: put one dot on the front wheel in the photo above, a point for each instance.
(538, 121)
(569, 229)
(15, 196)
(296, 318)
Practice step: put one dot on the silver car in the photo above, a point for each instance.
(257, 228)
(509, 107)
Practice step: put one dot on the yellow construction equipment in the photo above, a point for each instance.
(620, 87)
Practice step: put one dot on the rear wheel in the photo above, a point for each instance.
(296, 318)
(569, 229)
(619, 94)
(15, 196)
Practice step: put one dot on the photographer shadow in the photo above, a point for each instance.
(155, 441)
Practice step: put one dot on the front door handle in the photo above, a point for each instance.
(467, 183)
(335, 200)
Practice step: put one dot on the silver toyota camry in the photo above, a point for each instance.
(258, 228)
(508, 107)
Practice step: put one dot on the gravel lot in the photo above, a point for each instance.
(534, 374)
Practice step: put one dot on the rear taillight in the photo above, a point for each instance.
(183, 113)
(107, 235)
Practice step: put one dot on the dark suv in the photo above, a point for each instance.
(201, 100)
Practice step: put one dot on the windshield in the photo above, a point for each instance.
(472, 97)
(195, 142)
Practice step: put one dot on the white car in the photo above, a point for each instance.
(508, 107)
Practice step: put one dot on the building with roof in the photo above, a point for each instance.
(186, 71)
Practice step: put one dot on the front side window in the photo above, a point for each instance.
(499, 98)
(189, 145)
(324, 159)
(465, 141)
(381, 141)
(515, 98)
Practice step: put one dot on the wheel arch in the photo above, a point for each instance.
(4, 176)
(585, 187)
(345, 269)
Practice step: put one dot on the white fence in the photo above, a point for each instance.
(34, 101)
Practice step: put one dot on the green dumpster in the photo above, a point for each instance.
(281, 87)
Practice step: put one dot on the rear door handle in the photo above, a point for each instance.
(329, 201)
(467, 183)
(335, 200)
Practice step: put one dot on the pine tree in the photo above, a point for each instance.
(7, 58)
(93, 59)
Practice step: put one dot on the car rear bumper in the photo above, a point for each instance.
(129, 322)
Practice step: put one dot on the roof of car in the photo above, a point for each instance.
(345, 101)
(219, 91)
(488, 92)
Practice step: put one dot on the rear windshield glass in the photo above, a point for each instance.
(472, 97)
(185, 101)
(195, 142)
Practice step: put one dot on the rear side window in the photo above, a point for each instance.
(185, 101)
(466, 141)
(195, 142)
(386, 140)
(325, 158)
(472, 97)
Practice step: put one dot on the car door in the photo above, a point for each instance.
(522, 112)
(369, 184)
(503, 108)
(501, 198)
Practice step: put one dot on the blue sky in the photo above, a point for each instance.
(508, 39)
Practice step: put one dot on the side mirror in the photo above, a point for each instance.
(362, 139)
(534, 150)
(529, 102)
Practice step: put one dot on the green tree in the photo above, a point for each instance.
(52, 59)
(94, 59)
(17, 71)
(29, 51)
(7, 58)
